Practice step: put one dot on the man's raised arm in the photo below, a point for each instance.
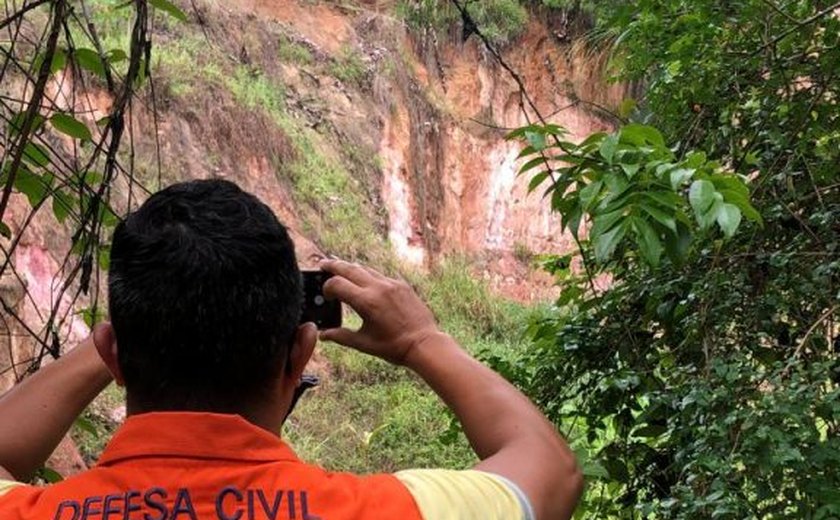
(510, 436)
(36, 414)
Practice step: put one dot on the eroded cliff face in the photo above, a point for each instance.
(448, 177)
(421, 133)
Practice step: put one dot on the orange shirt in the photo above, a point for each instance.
(196, 466)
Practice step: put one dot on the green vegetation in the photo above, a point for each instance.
(348, 67)
(704, 383)
(291, 51)
(501, 21)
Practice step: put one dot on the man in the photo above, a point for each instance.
(205, 300)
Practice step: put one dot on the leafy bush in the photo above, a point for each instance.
(426, 14)
(501, 21)
(705, 381)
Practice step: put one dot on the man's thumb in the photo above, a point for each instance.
(342, 336)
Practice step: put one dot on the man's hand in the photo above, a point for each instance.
(510, 436)
(395, 319)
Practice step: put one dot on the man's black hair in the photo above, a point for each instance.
(205, 298)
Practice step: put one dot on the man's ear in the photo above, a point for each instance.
(302, 349)
(106, 344)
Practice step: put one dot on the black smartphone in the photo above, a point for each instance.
(325, 314)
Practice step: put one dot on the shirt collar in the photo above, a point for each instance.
(194, 435)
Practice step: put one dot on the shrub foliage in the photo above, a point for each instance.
(703, 383)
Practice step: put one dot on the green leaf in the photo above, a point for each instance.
(104, 257)
(536, 140)
(528, 150)
(90, 60)
(678, 176)
(641, 134)
(520, 132)
(648, 241)
(743, 204)
(592, 469)
(606, 243)
(36, 154)
(571, 220)
(729, 218)
(59, 60)
(116, 55)
(107, 215)
(69, 125)
(170, 8)
(593, 139)
(552, 129)
(627, 106)
(608, 147)
(605, 221)
(89, 316)
(701, 195)
(650, 431)
(630, 169)
(617, 469)
(667, 199)
(50, 475)
(62, 205)
(730, 182)
(537, 179)
(660, 216)
(707, 219)
(5, 231)
(33, 186)
(530, 165)
(616, 184)
(589, 194)
(85, 424)
(695, 160)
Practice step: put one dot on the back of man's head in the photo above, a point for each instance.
(204, 297)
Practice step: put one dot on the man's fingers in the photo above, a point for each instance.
(374, 273)
(342, 336)
(341, 289)
(353, 272)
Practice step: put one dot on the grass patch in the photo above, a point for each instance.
(348, 67)
(293, 52)
(371, 417)
(467, 309)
